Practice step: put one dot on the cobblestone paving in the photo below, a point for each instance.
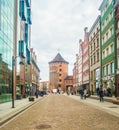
(59, 112)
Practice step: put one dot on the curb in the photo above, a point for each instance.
(5, 120)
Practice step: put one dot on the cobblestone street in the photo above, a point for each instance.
(59, 112)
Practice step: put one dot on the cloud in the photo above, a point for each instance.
(59, 25)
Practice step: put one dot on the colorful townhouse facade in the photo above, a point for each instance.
(108, 45)
(76, 74)
(80, 67)
(117, 45)
(94, 55)
(85, 60)
(34, 73)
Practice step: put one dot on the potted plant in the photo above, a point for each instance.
(31, 98)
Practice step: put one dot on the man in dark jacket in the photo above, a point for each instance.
(101, 94)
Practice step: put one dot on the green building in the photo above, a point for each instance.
(108, 45)
(7, 25)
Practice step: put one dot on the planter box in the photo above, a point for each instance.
(31, 98)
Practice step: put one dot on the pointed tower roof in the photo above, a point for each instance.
(58, 58)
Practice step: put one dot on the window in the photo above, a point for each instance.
(97, 56)
(103, 56)
(59, 85)
(108, 69)
(104, 70)
(91, 61)
(94, 59)
(111, 31)
(97, 29)
(112, 67)
(112, 48)
(107, 20)
(21, 48)
(29, 15)
(97, 42)
(60, 80)
(106, 36)
(94, 45)
(107, 51)
(60, 70)
(22, 10)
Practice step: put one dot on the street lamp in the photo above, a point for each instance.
(13, 60)
(13, 64)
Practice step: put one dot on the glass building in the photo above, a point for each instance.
(15, 22)
(6, 48)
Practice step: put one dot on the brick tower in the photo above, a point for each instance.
(58, 70)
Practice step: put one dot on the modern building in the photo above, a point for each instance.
(22, 57)
(7, 43)
(58, 71)
(94, 55)
(108, 45)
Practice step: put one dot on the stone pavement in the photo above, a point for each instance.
(108, 107)
(7, 112)
(60, 112)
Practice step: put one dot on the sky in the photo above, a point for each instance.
(57, 26)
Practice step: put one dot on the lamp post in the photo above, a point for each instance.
(13, 60)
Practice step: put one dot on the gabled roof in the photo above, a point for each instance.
(58, 58)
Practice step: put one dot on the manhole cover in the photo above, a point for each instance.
(43, 126)
(113, 107)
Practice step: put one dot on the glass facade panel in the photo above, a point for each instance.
(6, 48)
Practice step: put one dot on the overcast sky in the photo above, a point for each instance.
(57, 26)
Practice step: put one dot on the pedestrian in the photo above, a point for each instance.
(81, 92)
(36, 94)
(101, 94)
(97, 90)
(85, 93)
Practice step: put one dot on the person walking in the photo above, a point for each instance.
(36, 93)
(101, 94)
(85, 93)
(81, 92)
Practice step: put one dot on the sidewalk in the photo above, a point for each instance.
(7, 112)
(108, 107)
